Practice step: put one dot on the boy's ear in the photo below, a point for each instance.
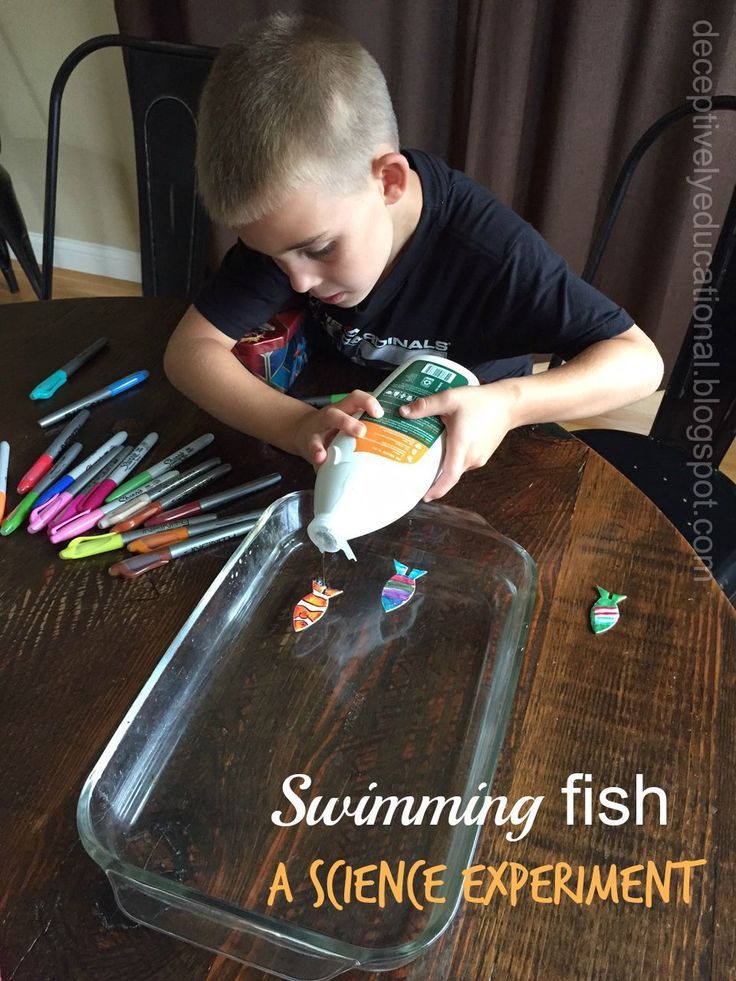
(392, 171)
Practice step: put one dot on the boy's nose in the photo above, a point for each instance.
(303, 281)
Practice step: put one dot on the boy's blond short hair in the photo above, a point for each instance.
(293, 100)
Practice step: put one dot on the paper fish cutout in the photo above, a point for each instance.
(313, 606)
(604, 613)
(400, 587)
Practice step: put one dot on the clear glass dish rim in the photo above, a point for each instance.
(276, 931)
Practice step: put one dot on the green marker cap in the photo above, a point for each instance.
(129, 485)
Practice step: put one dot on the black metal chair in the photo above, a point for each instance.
(676, 465)
(164, 81)
(13, 232)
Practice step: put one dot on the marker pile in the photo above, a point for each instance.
(67, 497)
(68, 500)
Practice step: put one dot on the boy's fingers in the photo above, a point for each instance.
(316, 449)
(337, 419)
(444, 483)
(452, 470)
(430, 405)
(372, 406)
(360, 401)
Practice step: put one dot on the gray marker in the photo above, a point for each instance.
(215, 500)
(171, 462)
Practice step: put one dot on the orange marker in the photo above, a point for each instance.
(158, 540)
(138, 565)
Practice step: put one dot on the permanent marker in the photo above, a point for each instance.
(101, 395)
(139, 564)
(89, 461)
(46, 388)
(53, 509)
(87, 545)
(168, 463)
(207, 503)
(172, 497)
(44, 463)
(106, 487)
(164, 481)
(155, 540)
(320, 401)
(135, 501)
(79, 503)
(4, 461)
(27, 503)
(82, 521)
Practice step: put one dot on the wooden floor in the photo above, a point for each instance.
(68, 285)
(636, 418)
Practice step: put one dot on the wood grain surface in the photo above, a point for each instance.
(654, 696)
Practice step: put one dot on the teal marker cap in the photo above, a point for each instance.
(129, 485)
(46, 388)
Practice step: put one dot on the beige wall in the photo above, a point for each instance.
(97, 191)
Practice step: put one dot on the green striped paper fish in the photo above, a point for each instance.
(604, 613)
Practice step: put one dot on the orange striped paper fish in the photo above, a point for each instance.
(313, 606)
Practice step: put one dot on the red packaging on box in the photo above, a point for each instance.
(276, 351)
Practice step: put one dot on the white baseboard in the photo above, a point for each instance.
(88, 257)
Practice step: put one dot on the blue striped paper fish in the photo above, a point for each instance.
(400, 588)
(604, 613)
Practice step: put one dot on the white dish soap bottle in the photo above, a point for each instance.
(369, 481)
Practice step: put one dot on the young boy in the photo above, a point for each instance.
(391, 252)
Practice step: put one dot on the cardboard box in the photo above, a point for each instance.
(276, 351)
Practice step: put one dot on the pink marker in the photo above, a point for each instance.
(78, 504)
(79, 523)
(66, 503)
(98, 493)
(79, 477)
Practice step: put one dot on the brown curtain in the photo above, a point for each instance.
(541, 100)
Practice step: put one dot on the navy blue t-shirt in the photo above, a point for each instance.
(475, 283)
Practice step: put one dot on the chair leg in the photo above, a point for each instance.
(13, 230)
(7, 269)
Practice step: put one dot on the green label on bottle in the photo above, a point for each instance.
(420, 378)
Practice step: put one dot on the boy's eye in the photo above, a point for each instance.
(320, 253)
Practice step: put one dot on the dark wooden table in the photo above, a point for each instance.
(655, 696)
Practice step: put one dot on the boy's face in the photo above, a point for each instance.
(334, 246)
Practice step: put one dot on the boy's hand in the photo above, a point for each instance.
(476, 420)
(315, 433)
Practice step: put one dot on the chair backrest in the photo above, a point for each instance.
(699, 405)
(707, 357)
(164, 81)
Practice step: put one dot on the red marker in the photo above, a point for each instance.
(44, 463)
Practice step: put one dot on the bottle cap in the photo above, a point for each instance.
(328, 538)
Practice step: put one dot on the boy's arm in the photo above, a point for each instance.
(200, 363)
(608, 374)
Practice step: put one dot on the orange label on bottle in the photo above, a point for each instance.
(388, 443)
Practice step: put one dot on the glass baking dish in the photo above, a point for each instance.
(414, 702)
